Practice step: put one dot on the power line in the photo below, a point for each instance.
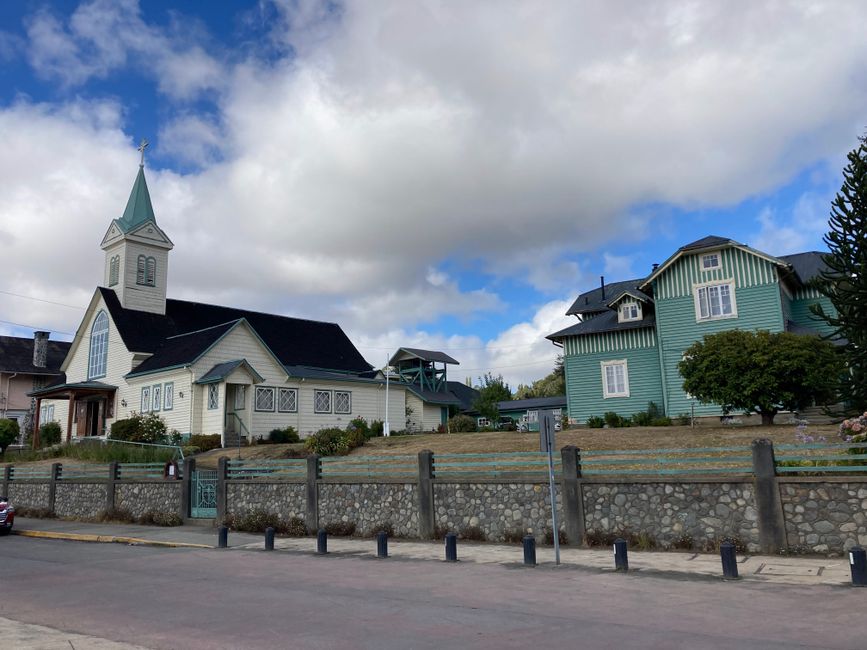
(49, 302)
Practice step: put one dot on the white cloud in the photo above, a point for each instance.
(618, 267)
(796, 232)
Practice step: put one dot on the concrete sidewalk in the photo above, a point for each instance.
(683, 565)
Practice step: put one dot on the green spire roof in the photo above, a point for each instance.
(138, 209)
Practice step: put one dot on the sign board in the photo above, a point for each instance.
(546, 431)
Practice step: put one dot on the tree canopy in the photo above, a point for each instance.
(8, 433)
(552, 385)
(491, 391)
(845, 280)
(760, 372)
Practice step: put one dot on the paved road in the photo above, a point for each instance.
(192, 598)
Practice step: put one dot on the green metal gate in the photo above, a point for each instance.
(203, 494)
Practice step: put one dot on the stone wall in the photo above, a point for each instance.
(286, 500)
(154, 496)
(497, 509)
(28, 495)
(825, 516)
(79, 500)
(368, 505)
(706, 512)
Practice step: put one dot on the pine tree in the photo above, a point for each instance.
(844, 282)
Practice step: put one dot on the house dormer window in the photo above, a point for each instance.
(113, 270)
(629, 311)
(146, 273)
(710, 262)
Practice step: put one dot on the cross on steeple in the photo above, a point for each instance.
(142, 147)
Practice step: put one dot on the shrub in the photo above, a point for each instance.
(35, 513)
(473, 534)
(9, 431)
(328, 442)
(155, 518)
(462, 424)
(354, 438)
(549, 536)
(284, 436)
(376, 429)
(126, 429)
(148, 428)
(683, 542)
(340, 528)
(295, 527)
(359, 425)
(190, 450)
(615, 421)
(385, 527)
(684, 419)
(514, 536)
(49, 434)
(205, 442)
(595, 422)
(254, 522)
(440, 531)
(119, 515)
(652, 417)
(661, 421)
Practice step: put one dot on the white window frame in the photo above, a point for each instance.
(213, 397)
(261, 391)
(622, 317)
(316, 394)
(614, 363)
(706, 287)
(114, 270)
(97, 358)
(348, 395)
(145, 399)
(287, 391)
(169, 396)
(46, 413)
(717, 262)
(156, 397)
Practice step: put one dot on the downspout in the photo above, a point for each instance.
(192, 397)
(8, 387)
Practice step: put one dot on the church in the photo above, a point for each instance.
(207, 369)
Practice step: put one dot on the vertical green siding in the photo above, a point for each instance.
(622, 340)
(758, 302)
(584, 393)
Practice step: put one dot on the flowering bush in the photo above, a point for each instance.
(803, 437)
(854, 429)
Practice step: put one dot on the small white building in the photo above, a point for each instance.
(203, 368)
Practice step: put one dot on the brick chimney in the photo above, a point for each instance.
(40, 349)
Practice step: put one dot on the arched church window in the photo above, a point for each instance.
(140, 271)
(98, 358)
(151, 272)
(113, 270)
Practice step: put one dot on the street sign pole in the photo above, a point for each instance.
(546, 424)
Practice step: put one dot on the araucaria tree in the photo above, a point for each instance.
(844, 282)
(760, 372)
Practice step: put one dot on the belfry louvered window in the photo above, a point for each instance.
(114, 270)
(146, 271)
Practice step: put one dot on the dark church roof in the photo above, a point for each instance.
(294, 341)
(16, 355)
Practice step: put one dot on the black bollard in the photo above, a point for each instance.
(269, 539)
(382, 544)
(322, 542)
(621, 555)
(223, 537)
(858, 566)
(529, 550)
(727, 552)
(451, 547)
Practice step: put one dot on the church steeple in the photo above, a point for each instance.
(137, 252)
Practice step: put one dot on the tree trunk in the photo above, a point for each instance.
(767, 418)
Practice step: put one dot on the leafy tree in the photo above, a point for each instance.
(844, 282)
(552, 385)
(491, 391)
(761, 372)
(8, 433)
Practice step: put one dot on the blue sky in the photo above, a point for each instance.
(447, 177)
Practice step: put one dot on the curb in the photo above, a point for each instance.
(109, 539)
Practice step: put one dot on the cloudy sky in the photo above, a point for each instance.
(439, 174)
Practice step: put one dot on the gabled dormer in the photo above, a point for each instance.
(630, 306)
(137, 253)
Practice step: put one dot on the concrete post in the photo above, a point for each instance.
(7, 476)
(573, 499)
(187, 487)
(772, 525)
(426, 523)
(111, 487)
(56, 473)
(313, 474)
(222, 473)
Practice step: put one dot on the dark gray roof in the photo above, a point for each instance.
(807, 265)
(303, 372)
(605, 322)
(707, 242)
(593, 301)
(428, 355)
(443, 398)
(182, 349)
(465, 394)
(81, 385)
(222, 370)
(16, 355)
(558, 401)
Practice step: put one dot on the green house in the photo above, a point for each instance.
(624, 351)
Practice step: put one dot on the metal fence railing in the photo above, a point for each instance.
(845, 457)
(398, 466)
(84, 472)
(667, 462)
(289, 468)
(30, 472)
(515, 464)
(132, 471)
